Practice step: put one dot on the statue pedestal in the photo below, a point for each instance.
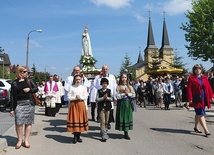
(88, 68)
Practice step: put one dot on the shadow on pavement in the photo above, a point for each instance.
(60, 138)
(97, 135)
(56, 122)
(11, 141)
(57, 129)
(63, 113)
(93, 128)
(172, 130)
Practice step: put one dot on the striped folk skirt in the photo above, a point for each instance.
(124, 116)
(24, 112)
(77, 119)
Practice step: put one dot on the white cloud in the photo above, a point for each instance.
(174, 7)
(140, 18)
(112, 3)
(52, 67)
(34, 43)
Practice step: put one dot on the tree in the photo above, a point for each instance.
(125, 68)
(155, 64)
(178, 63)
(33, 69)
(203, 69)
(1, 50)
(38, 76)
(200, 30)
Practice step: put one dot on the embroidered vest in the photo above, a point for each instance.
(106, 105)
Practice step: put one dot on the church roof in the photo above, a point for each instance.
(165, 39)
(150, 37)
(138, 65)
(140, 59)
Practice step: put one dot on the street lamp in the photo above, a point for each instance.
(28, 45)
(45, 72)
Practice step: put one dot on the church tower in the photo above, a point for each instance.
(151, 48)
(166, 51)
(156, 61)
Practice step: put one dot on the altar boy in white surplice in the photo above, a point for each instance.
(50, 91)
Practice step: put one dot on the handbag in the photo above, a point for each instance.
(133, 105)
(35, 98)
(196, 99)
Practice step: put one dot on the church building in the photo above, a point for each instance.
(164, 56)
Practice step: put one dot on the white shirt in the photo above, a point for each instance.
(165, 88)
(93, 93)
(41, 92)
(59, 93)
(112, 83)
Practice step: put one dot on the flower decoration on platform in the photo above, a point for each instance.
(87, 60)
(90, 69)
(87, 63)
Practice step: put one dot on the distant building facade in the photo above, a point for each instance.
(5, 62)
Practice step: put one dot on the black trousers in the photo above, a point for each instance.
(111, 116)
(50, 111)
(58, 106)
(167, 100)
(93, 107)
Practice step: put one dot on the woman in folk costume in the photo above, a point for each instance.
(50, 91)
(77, 119)
(124, 117)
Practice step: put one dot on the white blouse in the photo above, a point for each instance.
(123, 95)
(75, 90)
(80, 90)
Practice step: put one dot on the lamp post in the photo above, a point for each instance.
(3, 66)
(45, 72)
(28, 44)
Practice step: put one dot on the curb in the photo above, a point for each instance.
(3, 144)
(9, 138)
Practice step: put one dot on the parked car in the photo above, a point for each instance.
(4, 94)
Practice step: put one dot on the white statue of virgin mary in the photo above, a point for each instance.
(86, 43)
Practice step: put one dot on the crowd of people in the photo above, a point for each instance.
(165, 90)
(159, 90)
(103, 94)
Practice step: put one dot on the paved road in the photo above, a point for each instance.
(5, 121)
(156, 132)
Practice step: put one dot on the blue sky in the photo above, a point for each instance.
(116, 27)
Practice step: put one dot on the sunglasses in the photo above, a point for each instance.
(24, 72)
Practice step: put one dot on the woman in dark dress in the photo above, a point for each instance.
(184, 90)
(22, 105)
(141, 91)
